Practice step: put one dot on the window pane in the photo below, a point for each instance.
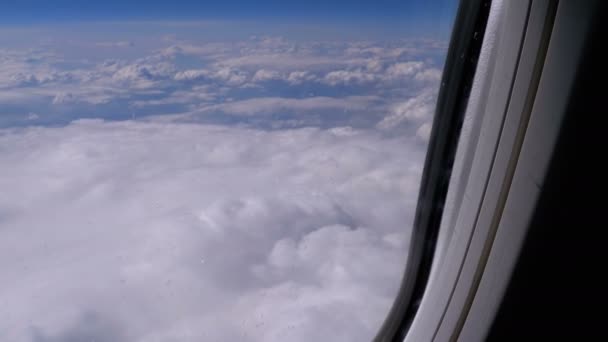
(186, 171)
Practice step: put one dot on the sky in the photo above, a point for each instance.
(197, 171)
(32, 11)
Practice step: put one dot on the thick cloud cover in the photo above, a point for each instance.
(259, 190)
(159, 231)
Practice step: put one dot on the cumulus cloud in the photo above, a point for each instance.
(424, 131)
(229, 76)
(269, 105)
(404, 69)
(191, 75)
(283, 61)
(263, 75)
(62, 98)
(298, 77)
(168, 80)
(144, 74)
(119, 44)
(416, 109)
(349, 77)
(200, 94)
(144, 231)
(374, 65)
(32, 116)
(77, 96)
(429, 75)
(286, 220)
(206, 50)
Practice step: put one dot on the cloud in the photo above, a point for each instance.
(404, 69)
(298, 77)
(226, 75)
(263, 75)
(193, 232)
(184, 77)
(79, 96)
(141, 74)
(429, 75)
(282, 61)
(231, 76)
(32, 116)
(89, 327)
(286, 220)
(424, 131)
(374, 65)
(418, 109)
(349, 77)
(191, 75)
(119, 44)
(269, 105)
(62, 98)
(197, 94)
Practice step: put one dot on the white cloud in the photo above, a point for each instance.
(226, 75)
(118, 44)
(144, 74)
(79, 96)
(375, 65)
(416, 109)
(231, 76)
(269, 105)
(154, 230)
(134, 231)
(424, 131)
(198, 94)
(429, 75)
(190, 75)
(266, 75)
(32, 116)
(281, 61)
(62, 98)
(298, 77)
(349, 77)
(405, 69)
(232, 72)
(212, 49)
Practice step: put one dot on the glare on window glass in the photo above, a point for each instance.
(195, 171)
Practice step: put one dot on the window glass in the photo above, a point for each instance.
(189, 171)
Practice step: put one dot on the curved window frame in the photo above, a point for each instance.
(527, 66)
(456, 84)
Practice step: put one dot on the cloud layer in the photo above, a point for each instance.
(252, 190)
(205, 81)
(159, 232)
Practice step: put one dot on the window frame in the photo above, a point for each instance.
(455, 87)
(513, 116)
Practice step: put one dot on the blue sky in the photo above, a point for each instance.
(379, 18)
(19, 11)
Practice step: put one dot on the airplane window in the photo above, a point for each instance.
(195, 171)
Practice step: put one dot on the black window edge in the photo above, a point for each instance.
(456, 83)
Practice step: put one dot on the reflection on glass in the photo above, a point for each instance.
(217, 179)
